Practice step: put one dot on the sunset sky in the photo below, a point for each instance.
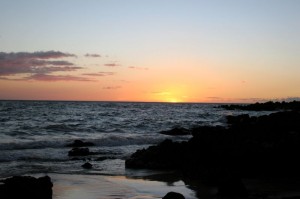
(150, 50)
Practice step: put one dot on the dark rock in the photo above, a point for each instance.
(80, 143)
(164, 156)
(173, 195)
(87, 165)
(26, 187)
(249, 147)
(232, 187)
(80, 152)
(176, 131)
(238, 119)
(265, 146)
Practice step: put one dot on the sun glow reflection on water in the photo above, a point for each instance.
(153, 189)
(111, 187)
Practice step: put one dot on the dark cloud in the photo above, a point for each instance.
(45, 70)
(112, 65)
(34, 63)
(100, 74)
(54, 78)
(112, 87)
(92, 55)
(137, 68)
(35, 55)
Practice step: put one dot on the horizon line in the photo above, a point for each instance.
(124, 101)
(129, 101)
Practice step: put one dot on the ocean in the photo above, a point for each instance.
(34, 134)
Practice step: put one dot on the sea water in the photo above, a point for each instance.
(34, 134)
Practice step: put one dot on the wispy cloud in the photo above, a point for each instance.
(92, 55)
(112, 65)
(54, 78)
(137, 68)
(112, 87)
(100, 74)
(34, 63)
(123, 81)
(215, 98)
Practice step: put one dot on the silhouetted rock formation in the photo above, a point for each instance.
(267, 106)
(26, 187)
(265, 146)
(173, 195)
(166, 155)
(80, 143)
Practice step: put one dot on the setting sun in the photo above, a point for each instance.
(173, 94)
(173, 100)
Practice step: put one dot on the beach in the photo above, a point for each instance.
(68, 186)
(71, 186)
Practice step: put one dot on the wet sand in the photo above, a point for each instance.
(148, 185)
(68, 186)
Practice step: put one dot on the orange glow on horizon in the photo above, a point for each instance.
(172, 94)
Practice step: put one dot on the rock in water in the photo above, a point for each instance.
(87, 165)
(19, 187)
(173, 195)
(79, 143)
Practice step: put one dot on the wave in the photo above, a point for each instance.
(60, 127)
(115, 140)
(30, 145)
(32, 159)
(111, 140)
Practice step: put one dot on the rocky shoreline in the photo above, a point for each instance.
(250, 147)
